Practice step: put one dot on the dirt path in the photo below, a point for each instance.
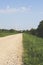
(11, 50)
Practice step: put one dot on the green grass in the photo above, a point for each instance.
(2, 34)
(33, 50)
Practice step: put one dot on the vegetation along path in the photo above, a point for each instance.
(11, 50)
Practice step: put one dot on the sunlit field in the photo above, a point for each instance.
(33, 50)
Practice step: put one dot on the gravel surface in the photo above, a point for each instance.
(11, 50)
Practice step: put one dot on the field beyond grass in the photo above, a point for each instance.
(33, 50)
(2, 34)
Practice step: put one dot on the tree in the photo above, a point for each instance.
(33, 31)
(40, 29)
(11, 30)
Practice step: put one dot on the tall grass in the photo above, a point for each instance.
(33, 50)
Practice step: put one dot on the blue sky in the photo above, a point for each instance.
(20, 14)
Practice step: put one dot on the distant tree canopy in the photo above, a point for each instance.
(33, 31)
(40, 29)
(37, 32)
(11, 30)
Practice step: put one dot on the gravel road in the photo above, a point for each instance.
(11, 50)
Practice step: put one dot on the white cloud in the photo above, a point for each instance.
(25, 9)
(15, 10)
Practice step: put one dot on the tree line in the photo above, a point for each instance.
(39, 31)
(9, 31)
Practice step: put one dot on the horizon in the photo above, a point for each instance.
(20, 14)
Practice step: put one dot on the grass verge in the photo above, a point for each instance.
(2, 34)
(33, 50)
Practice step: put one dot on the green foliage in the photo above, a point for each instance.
(5, 32)
(2, 34)
(33, 31)
(40, 29)
(33, 50)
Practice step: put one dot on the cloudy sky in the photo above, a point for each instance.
(20, 14)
